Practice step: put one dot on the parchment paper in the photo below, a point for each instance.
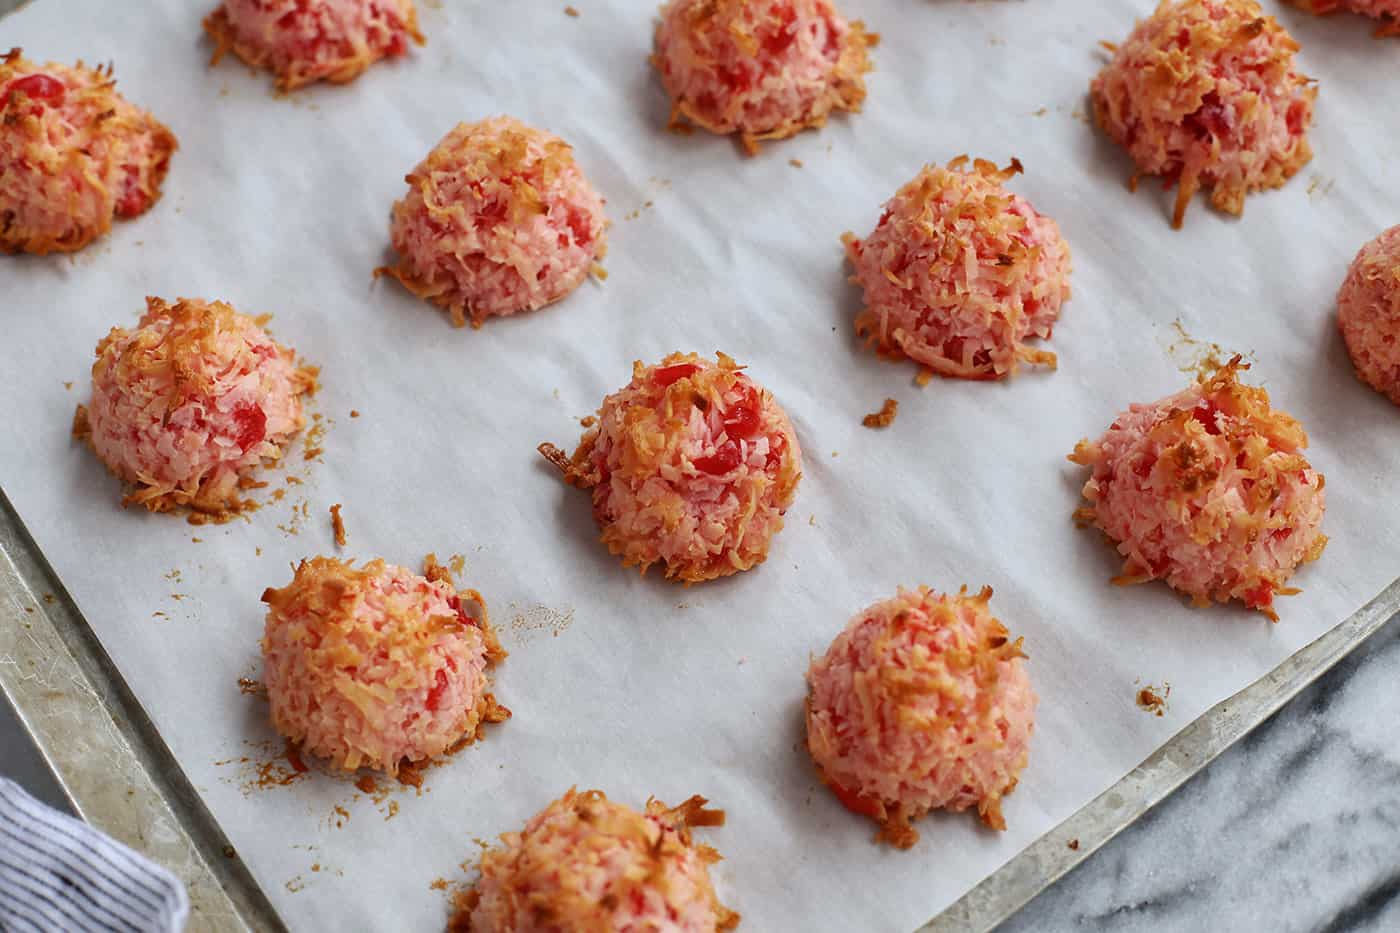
(635, 685)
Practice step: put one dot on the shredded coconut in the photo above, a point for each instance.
(1387, 11)
(186, 406)
(498, 219)
(1208, 490)
(377, 666)
(959, 273)
(765, 69)
(1368, 312)
(73, 155)
(923, 701)
(1204, 93)
(692, 465)
(303, 41)
(585, 863)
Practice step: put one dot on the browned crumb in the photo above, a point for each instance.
(366, 784)
(436, 572)
(68, 384)
(354, 413)
(1149, 700)
(438, 884)
(588, 421)
(338, 525)
(795, 163)
(570, 11)
(572, 468)
(196, 540)
(1074, 844)
(598, 272)
(311, 453)
(924, 377)
(884, 417)
(249, 687)
(81, 429)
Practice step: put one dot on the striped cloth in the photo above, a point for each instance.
(59, 874)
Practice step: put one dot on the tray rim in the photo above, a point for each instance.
(109, 760)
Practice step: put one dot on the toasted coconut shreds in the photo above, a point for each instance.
(304, 41)
(884, 417)
(377, 666)
(188, 405)
(588, 863)
(1368, 313)
(959, 273)
(691, 465)
(1205, 94)
(74, 154)
(922, 702)
(1208, 490)
(765, 69)
(1386, 11)
(338, 525)
(498, 219)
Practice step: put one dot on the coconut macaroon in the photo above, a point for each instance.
(587, 863)
(190, 403)
(304, 41)
(498, 219)
(1386, 11)
(73, 155)
(1368, 312)
(1205, 93)
(692, 465)
(959, 273)
(923, 701)
(376, 666)
(765, 69)
(1208, 490)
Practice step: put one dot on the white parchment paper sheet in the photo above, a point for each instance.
(281, 206)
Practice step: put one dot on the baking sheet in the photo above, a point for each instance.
(635, 685)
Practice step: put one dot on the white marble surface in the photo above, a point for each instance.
(1297, 827)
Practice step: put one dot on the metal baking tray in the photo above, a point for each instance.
(121, 778)
(119, 775)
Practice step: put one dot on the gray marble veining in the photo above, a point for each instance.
(1297, 827)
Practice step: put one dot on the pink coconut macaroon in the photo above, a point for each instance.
(1368, 312)
(1386, 11)
(1205, 93)
(923, 701)
(765, 69)
(959, 273)
(377, 666)
(691, 465)
(587, 863)
(74, 154)
(187, 406)
(498, 219)
(304, 41)
(1208, 490)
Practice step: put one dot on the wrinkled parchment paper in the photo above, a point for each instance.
(635, 685)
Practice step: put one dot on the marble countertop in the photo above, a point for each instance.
(1296, 827)
(1293, 828)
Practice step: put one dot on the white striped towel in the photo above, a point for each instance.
(60, 874)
